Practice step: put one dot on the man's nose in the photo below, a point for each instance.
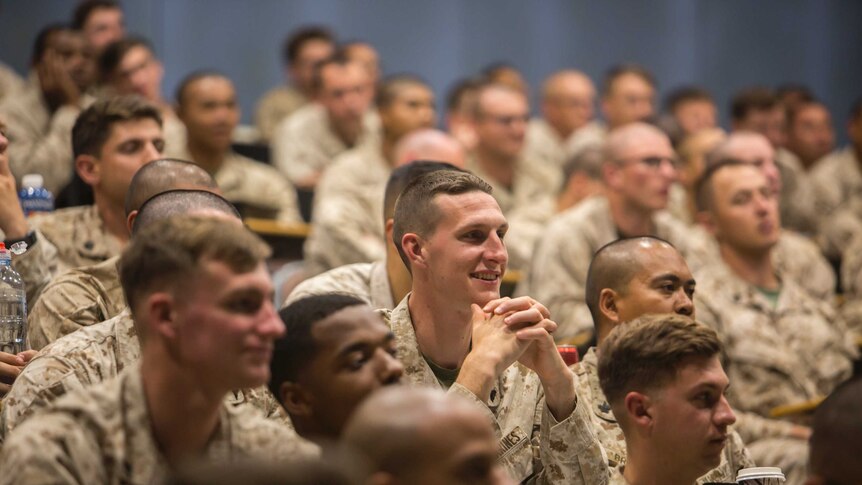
(684, 305)
(724, 415)
(391, 369)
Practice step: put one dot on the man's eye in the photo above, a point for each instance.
(130, 147)
(159, 145)
(245, 305)
(690, 291)
(356, 360)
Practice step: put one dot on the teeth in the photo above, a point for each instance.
(486, 277)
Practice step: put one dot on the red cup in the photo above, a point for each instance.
(569, 354)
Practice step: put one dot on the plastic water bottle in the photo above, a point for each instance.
(13, 306)
(34, 196)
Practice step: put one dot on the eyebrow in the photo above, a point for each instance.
(359, 346)
(673, 277)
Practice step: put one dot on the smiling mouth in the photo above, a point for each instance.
(485, 276)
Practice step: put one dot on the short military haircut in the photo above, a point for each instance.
(705, 190)
(297, 39)
(752, 99)
(177, 202)
(390, 88)
(481, 89)
(403, 175)
(794, 110)
(165, 174)
(799, 91)
(167, 254)
(621, 70)
(646, 353)
(459, 92)
(613, 266)
(417, 212)
(94, 124)
(686, 94)
(588, 161)
(192, 78)
(837, 436)
(40, 44)
(296, 349)
(87, 7)
(338, 59)
(114, 53)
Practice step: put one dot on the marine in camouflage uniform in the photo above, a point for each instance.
(794, 351)
(102, 434)
(77, 298)
(304, 144)
(275, 106)
(91, 356)
(533, 444)
(545, 148)
(610, 435)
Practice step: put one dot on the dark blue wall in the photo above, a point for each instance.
(721, 44)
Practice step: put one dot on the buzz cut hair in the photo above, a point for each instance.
(416, 210)
(620, 70)
(93, 126)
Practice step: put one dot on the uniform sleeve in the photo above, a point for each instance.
(42, 381)
(64, 306)
(52, 450)
(557, 278)
(37, 266)
(49, 154)
(570, 451)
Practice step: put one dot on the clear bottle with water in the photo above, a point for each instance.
(34, 197)
(13, 306)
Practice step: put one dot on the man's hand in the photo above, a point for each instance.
(10, 368)
(494, 348)
(12, 220)
(530, 321)
(57, 85)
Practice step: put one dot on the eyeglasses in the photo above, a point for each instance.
(506, 120)
(653, 162)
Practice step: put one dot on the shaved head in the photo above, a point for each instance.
(406, 431)
(176, 202)
(621, 140)
(163, 175)
(429, 144)
(641, 275)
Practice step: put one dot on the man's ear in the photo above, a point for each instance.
(414, 248)
(161, 315)
(611, 174)
(89, 169)
(608, 305)
(130, 220)
(295, 399)
(638, 409)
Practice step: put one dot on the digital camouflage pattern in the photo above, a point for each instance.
(366, 281)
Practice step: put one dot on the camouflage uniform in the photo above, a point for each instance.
(65, 239)
(558, 272)
(276, 105)
(367, 281)
(836, 179)
(104, 435)
(797, 194)
(347, 221)
(797, 351)
(617, 477)
(91, 356)
(40, 141)
(77, 298)
(532, 187)
(605, 426)
(259, 187)
(677, 204)
(9, 81)
(532, 441)
(304, 144)
(851, 277)
(545, 147)
(794, 257)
